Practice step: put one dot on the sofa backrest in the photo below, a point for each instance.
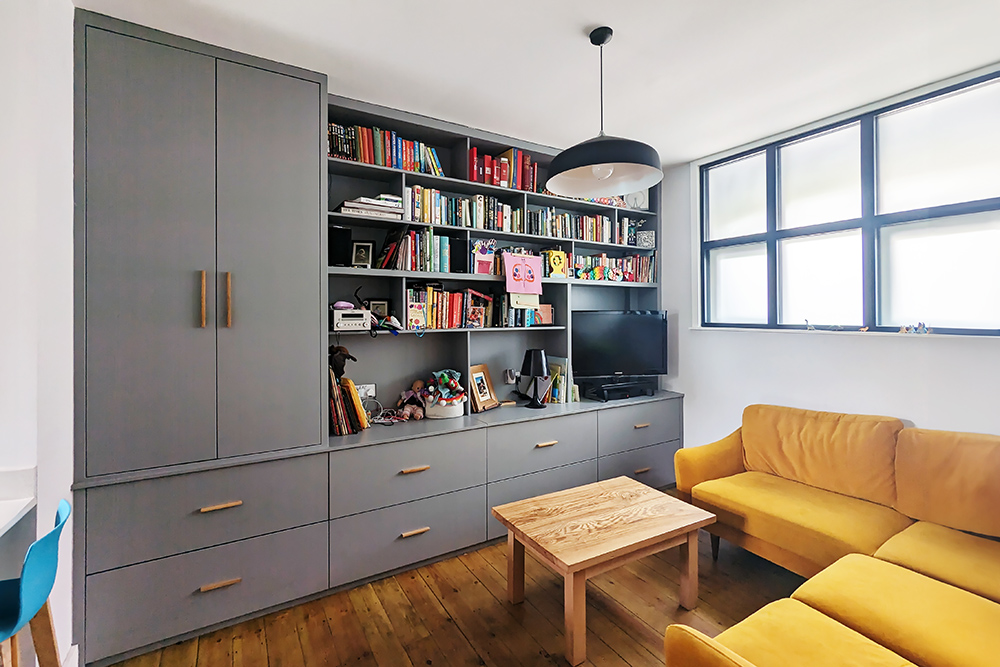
(949, 478)
(848, 454)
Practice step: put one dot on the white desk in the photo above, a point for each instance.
(12, 511)
(17, 519)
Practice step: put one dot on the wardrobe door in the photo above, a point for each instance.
(150, 233)
(271, 354)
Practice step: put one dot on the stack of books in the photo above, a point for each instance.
(432, 206)
(407, 249)
(389, 207)
(381, 147)
(429, 306)
(347, 414)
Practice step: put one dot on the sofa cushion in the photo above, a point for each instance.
(788, 632)
(948, 555)
(949, 478)
(848, 454)
(819, 525)
(924, 620)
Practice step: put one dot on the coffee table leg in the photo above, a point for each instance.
(689, 571)
(515, 569)
(575, 602)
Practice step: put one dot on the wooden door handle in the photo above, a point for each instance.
(418, 531)
(546, 444)
(642, 470)
(229, 299)
(203, 300)
(410, 471)
(220, 584)
(223, 506)
(646, 425)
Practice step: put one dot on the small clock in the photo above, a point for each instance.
(639, 200)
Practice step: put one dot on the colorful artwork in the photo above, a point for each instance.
(524, 273)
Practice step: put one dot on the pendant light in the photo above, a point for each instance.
(604, 166)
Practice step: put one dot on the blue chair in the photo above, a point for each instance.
(25, 601)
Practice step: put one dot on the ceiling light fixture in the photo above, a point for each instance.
(604, 166)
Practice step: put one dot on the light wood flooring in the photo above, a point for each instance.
(455, 613)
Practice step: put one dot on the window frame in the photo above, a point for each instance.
(870, 223)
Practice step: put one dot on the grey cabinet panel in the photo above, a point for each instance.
(653, 465)
(367, 478)
(271, 360)
(640, 425)
(370, 543)
(516, 449)
(535, 484)
(138, 605)
(162, 517)
(150, 231)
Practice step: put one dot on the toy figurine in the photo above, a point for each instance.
(412, 401)
(338, 360)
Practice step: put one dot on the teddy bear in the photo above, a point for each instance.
(412, 401)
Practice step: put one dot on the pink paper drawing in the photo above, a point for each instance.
(524, 273)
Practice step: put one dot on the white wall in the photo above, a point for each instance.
(943, 382)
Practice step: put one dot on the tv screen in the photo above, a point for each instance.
(619, 342)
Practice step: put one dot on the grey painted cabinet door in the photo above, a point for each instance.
(150, 231)
(271, 355)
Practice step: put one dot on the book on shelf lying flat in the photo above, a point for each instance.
(385, 206)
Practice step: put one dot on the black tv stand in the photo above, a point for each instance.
(607, 389)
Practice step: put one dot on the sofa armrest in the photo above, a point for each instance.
(686, 647)
(699, 464)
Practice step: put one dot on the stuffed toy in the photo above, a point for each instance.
(338, 360)
(412, 401)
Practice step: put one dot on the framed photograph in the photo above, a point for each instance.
(361, 254)
(483, 395)
(379, 307)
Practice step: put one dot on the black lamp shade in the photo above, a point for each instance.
(535, 364)
(604, 167)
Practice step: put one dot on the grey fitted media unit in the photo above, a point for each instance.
(207, 486)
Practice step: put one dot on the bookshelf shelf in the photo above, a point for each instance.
(450, 331)
(425, 275)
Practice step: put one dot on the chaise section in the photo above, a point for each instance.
(818, 525)
(925, 621)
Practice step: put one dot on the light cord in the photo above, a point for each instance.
(602, 90)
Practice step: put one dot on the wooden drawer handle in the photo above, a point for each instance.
(229, 299)
(642, 425)
(223, 506)
(220, 584)
(546, 444)
(642, 470)
(410, 471)
(418, 531)
(203, 316)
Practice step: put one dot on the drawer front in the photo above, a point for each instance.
(634, 426)
(536, 484)
(165, 516)
(519, 449)
(368, 478)
(366, 544)
(653, 466)
(138, 605)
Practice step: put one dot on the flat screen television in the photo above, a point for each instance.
(610, 343)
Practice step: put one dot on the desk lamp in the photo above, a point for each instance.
(535, 366)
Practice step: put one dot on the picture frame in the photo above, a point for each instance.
(484, 397)
(361, 254)
(379, 307)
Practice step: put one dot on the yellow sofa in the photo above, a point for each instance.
(918, 585)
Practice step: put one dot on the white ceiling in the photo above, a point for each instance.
(690, 77)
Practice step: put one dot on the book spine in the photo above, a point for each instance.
(473, 162)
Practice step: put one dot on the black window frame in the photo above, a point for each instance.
(870, 223)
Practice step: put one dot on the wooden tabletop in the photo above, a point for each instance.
(590, 524)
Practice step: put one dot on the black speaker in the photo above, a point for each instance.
(339, 246)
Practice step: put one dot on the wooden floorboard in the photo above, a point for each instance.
(455, 614)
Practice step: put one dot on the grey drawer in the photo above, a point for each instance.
(653, 466)
(138, 605)
(368, 478)
(634, 426)
(371, 543)
(526, 447)
(139, 521)
(536, 484)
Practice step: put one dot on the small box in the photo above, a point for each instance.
(352, 320)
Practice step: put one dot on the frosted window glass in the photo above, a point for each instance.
(820, 279)
(737, 198)
(738, 284)
(942, 272)
(943, 151)
(821, 178)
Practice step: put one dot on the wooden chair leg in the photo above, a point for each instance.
(9, 652)
(715, 546)
(43, 635)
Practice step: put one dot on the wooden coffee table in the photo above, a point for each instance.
(587, 530)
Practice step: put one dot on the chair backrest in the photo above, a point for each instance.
(39, 571)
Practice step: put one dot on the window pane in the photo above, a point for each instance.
(942, 272)
(738, 284)
(821, 178)
(943, 151)
(820, 279)
(737, 198)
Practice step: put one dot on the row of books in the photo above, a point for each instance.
(429, 306)
(478, 212)
(407, 249)
(631, 269)
(388, 207)
(381, 147)
(513, 169)
(347, 414)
